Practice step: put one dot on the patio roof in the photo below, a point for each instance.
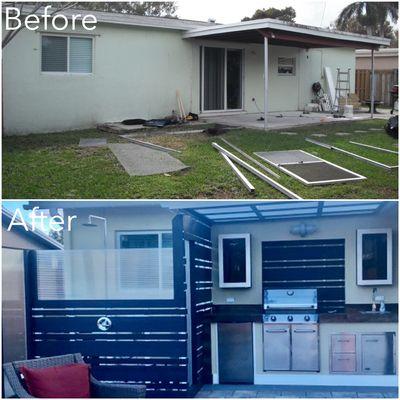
(285, 34)
(282, 210)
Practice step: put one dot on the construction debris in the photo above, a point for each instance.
(256, 172)
(148, 144)
(368, 160)
(118, 128)
(307, 168)
(239, 174)
(253, 160)
(374, 147)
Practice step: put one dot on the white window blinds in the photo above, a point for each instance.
(67, 54)
(80, 55)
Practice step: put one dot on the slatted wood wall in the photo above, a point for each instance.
(307, 264)
(150, 341)
(384, 81)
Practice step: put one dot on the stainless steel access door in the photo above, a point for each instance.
(305, 347)
(276, 347)
(377, 353)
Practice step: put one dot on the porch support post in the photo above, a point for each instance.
(372, 82)
(265, 81)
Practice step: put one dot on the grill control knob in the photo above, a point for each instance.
(306, 318)
(273, 318)
(290, 318)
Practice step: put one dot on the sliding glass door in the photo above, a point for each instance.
(221, 79)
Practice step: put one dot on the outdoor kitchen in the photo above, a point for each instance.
(321, 308)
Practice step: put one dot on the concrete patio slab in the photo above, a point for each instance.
(140, 161)
(95, 142)
(285, 391)
(344, 395)
(284, 120)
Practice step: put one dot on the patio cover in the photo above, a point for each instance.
(275, 32)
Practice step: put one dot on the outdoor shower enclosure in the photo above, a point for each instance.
(161, 342)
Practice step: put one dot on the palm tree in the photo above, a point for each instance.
(372, 15)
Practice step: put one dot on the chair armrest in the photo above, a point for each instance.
(15, 383)
(111, 390)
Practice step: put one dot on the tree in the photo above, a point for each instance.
(147, 8)
(374, 16)
(287, 14)
(57, 236)
(35, 8)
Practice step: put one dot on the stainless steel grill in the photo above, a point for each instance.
(291, 338)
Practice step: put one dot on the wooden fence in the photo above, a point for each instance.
(384, 81)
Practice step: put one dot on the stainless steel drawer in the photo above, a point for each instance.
(343, 362)
(343, 343)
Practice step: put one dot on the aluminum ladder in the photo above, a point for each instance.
(342, 88)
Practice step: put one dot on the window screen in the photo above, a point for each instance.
(286, 66)
(67, 54)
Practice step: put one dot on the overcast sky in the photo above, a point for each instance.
(309, 12)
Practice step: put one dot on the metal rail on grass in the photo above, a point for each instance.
(150, 145)
(368, 160)
(251, 159)
(374, 147)
(239, 174)
(256, 172)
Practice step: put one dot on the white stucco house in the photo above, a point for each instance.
(132, 66)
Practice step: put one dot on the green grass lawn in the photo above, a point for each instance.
(53, 166)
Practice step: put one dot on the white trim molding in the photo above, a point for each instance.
(389, 257)
(247, 282)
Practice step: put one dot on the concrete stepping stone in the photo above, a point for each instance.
(360, 131)
(92, 142)
(342, 133)
(376, 129)
(288, 133)
(318, 134)
(141, 161)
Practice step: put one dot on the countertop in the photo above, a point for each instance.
(352, 314)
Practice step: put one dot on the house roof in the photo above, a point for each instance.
(129, 19)
(37, 235)
(285, 33)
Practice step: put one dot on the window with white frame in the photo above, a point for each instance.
(148, 265)
(70, 54)
(286, 66)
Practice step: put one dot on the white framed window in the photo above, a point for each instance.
(146, 262)
(67, 54)
(286, 66)
(374, 257)
(234, 260)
